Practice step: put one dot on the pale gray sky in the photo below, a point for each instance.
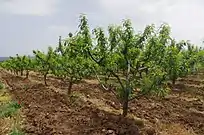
(35, 24)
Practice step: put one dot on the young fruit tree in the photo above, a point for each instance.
(44, 62)
(70, 61)
(118, 52)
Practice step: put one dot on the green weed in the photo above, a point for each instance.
(16, 132)
(9, 109)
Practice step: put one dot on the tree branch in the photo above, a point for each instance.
(98, 62)
(103, 86)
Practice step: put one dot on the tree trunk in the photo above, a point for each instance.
(45, 78)
(21, 72)
(125, 103)
(126, 90)
(70, 86)
(173, 81)
(140, 74)
(27, 74)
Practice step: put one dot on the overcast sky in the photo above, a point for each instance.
(26, 25)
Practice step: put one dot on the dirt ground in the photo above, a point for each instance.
(91, 111)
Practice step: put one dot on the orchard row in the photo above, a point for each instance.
(145, 61)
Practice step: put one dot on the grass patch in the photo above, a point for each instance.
(15, 131)
(9, 109)
(9, 115)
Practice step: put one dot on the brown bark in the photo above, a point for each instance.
(70, 86)
(45, 79)
(27, 74)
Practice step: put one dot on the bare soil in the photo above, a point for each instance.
(91, 111)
